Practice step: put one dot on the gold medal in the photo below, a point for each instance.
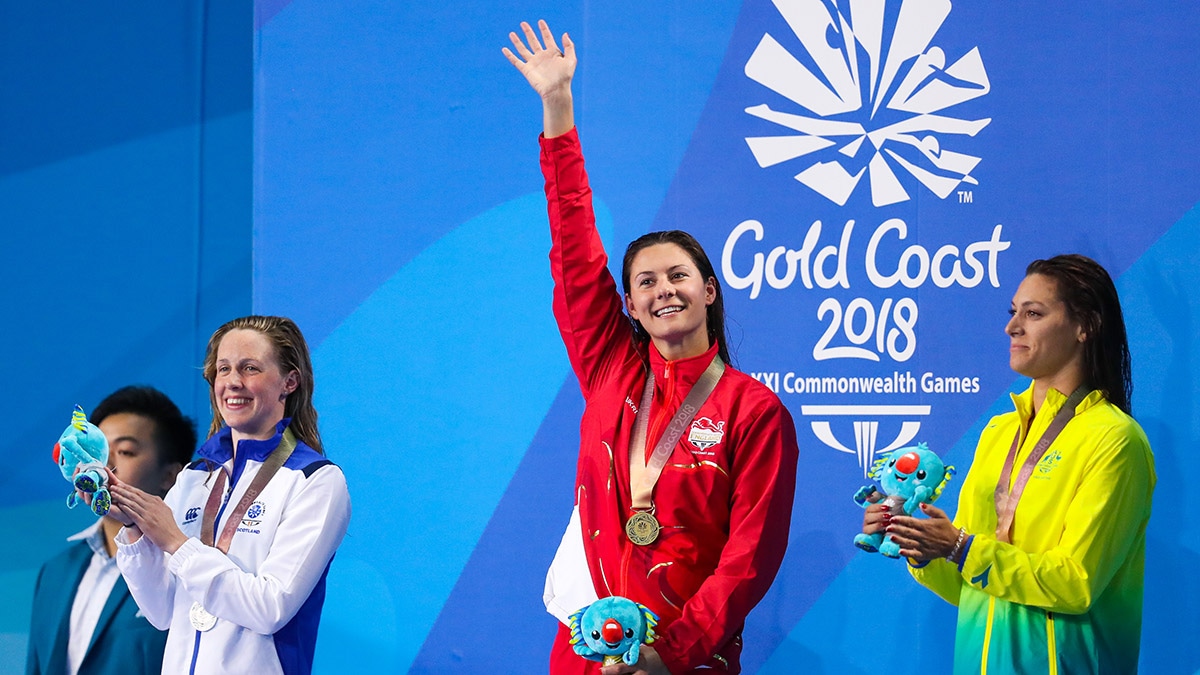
(642, 528)
(201, 619)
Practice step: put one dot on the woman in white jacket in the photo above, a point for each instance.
(234, 561)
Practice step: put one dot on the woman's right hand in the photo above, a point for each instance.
(115, 511)
(549, 71)
(875, 518)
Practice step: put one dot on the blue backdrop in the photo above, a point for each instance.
(397, 167)
(125, 232)
(871, 222)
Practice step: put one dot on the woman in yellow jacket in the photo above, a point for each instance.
(1045, 556)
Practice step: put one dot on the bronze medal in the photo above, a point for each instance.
(642, 528)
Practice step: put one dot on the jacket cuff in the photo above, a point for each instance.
(184, 553)
(966, 552)
(976, 558)
(567, 139)
(669, 658)
(139, 546)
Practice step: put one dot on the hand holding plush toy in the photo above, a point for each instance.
(612, 630)
(908, 476)
(82, 455)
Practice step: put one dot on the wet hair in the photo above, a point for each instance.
(174, 434)
(1091, 299)
(715, 313)
(291, 353)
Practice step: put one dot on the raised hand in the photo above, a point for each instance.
(547, 68)
(549, 71)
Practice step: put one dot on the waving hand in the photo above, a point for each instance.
(549, 71)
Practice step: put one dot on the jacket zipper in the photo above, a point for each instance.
(664, 409)
(216, 522)
(987, 636)
(1051, 647)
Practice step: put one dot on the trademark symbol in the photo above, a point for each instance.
(965, 196)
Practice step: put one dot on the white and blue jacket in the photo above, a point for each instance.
(267, 592)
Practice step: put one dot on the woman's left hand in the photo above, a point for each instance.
(648, 663)
(924, 538)
(151, 515)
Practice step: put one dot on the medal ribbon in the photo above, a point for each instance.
(265, 473)
(642, 492)
(1006, 499)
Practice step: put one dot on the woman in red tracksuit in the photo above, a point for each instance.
(720, 509)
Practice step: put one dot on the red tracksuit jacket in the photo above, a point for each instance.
(725, 506)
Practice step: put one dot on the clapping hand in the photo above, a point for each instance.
(150, 514)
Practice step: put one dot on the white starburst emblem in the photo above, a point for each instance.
(859, 94)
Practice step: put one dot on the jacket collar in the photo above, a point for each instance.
(1054, 401)
(219, 448)
(94, 536)
(685, 372)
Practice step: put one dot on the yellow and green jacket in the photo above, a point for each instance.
(1066, 595)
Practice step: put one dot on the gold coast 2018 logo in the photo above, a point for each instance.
(872, 90)
(863, 99)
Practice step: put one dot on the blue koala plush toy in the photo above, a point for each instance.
(612, 630)
(909, 477)
(84, 446)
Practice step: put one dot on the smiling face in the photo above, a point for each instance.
(670, 298)
(248, 386)
(1046, 344)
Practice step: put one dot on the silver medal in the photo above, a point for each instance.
(201, 619)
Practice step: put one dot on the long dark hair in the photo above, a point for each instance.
(1091, 299)
(291, 353)
(715, 312)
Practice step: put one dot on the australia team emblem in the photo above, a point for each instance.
(705, 433)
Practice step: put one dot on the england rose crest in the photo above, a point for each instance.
(705, 433)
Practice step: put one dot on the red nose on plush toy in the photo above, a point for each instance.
(908, 462)
(611, 631)
(57, 452)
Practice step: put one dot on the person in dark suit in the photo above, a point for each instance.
(84, 620)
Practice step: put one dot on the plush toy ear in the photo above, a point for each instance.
(573, 623)
(651, 620)
(937, 492)
(877, 467)
(579, 644)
